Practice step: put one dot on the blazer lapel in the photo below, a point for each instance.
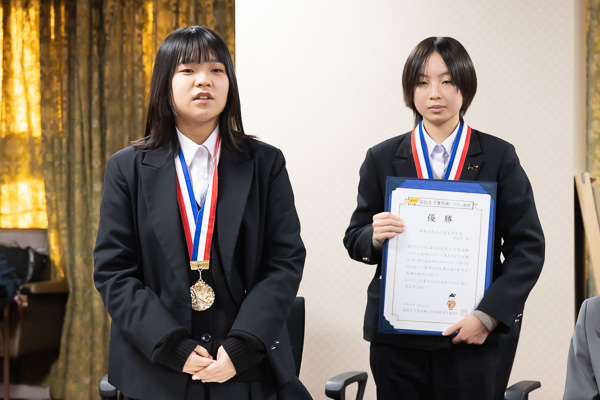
(474, 160)
(404, 164)
(159, 183)
(236, 171)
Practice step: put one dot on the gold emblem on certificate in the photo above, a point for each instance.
(203, 296)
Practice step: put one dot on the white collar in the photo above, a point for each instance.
(446, 144)
(189, 147)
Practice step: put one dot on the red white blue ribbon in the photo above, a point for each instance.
(457, 156)
(199, 221)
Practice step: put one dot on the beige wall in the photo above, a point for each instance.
(321, 79)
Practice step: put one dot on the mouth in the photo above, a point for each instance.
(203, 96)
(437, 109)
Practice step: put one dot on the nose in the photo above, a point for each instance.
(202, 79)
(434, 91)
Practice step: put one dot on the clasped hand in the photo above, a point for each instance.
(201, 365)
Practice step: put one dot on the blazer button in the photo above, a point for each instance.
(366, 259)
(206, 337)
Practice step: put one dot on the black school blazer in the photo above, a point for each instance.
(141, 259)
(517, 225)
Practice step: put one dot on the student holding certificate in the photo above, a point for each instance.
(439, 83)
(198, 257)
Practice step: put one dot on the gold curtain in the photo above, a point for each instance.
(593, 111)
(22, 200)
(96, 58)
(593, 87)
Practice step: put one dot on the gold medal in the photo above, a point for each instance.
(203, 296)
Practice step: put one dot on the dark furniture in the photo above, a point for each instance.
(34, 326)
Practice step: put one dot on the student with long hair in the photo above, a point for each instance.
(198, 257)
(439, 83)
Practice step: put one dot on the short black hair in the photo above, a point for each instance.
(184, 45)
(460, 68)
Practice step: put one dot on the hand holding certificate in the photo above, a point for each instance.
(436, 272)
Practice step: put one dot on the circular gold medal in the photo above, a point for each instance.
(203, 296)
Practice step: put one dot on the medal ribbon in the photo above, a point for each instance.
(457, 156)
(199, 221)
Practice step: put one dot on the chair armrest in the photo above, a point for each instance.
(107, 391)
(335, 388)
(520, 390)
(45, 287)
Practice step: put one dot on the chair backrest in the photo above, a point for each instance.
(296, 323)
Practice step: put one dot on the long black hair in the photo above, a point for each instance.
(187, 45)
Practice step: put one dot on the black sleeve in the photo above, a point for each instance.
(523, 244)
(359, 235)
(244, 350)
(173, 350)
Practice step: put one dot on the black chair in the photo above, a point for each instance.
(521, 390)
(335, 387)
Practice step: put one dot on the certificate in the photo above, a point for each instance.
(436, 272)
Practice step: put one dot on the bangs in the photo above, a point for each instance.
(197, 48)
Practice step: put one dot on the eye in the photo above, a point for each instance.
(421, 83)
(217, 70)
(448, 82)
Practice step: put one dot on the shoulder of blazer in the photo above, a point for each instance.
(128, 158)
(398, 146)
(592, 307)
(255, 147)
(489, 142)
(154, 158)
(126, 153)
(263, 154)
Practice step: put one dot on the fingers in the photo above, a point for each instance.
(196, 362)
(220, 371)
(386, 216)
(457, 339)
(386, 226)
(449, 331)
(201, 351)
(470, 330)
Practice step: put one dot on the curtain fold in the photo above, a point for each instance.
(96, 59)
(22, 200)
(593, 87)
(593, 113)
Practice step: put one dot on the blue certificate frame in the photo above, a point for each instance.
(441, 255)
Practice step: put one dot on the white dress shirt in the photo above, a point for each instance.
(200, 160)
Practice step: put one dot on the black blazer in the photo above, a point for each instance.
(141, 264)
(517, 225)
